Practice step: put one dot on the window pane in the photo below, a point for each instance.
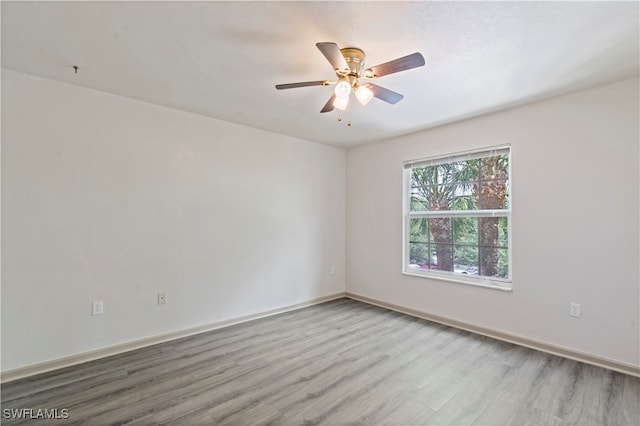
(467, 171)
(418, 255)
(489, 258)
(493, 190)
(442, 259)
(492, 194)
(440, 197)
(465, 230)
(432, 197)
(493, 261)
(464, 198)
(419, 230)
(488, 231)
(503, 263)
(433, 175)
(503, 232)
(465, 259)
(418, 203)
(424, 176)
(507, 198)
(441, 236)
(494, 167)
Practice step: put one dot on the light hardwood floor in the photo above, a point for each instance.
(340, 362)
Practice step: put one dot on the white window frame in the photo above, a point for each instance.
(504, 284)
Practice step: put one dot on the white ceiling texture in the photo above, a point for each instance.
(223, 59)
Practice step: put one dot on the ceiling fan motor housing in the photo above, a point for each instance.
(355, 60)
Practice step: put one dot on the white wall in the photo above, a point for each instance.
(107, 198)
(575, 222)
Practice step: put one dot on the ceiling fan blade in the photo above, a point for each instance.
(331, 51)
(401, 64)
(303, 84)
(329, 105)
(384, 94)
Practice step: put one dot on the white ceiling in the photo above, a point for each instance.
(222, 59)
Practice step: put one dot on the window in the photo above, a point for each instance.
(457, 217)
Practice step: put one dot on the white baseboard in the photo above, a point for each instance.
(55, 364)
(622, 367)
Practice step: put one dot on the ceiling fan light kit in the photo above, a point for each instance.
(341, 103)
(348, 64)
(343, 88)
(364, 94)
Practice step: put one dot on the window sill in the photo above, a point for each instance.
(485, 283)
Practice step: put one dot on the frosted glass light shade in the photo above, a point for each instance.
(343, 89)
(364, 95)
(341, 103)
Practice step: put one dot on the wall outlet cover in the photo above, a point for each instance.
(574, 310)
(97, 308)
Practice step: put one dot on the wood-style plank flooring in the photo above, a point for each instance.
(340, 362)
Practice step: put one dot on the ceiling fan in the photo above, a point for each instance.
(348, 64)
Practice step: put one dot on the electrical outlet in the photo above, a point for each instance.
(574, 310)
(97, 308)
(162, 298)
(332, 270)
